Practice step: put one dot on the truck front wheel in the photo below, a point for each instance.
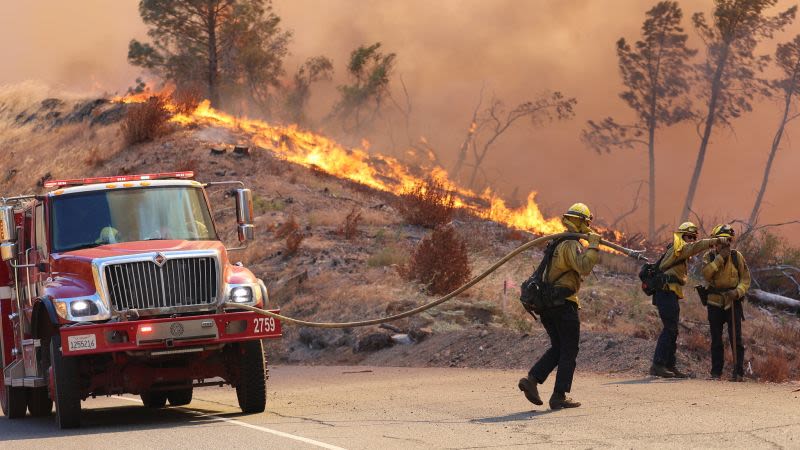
(12, 400)
(251, 389)
(180, 397)
(67, 396)
(39, 402)
(154, 399)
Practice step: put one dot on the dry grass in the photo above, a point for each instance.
(440, 261)
(427, 204)
(391, 255)
(145, 121)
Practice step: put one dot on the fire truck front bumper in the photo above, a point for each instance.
(166, 336)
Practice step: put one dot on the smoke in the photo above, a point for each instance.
(446, 51)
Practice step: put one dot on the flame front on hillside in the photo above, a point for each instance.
(374, 170)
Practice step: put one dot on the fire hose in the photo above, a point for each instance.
(363, 323)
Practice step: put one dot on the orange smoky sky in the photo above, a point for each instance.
(446, 50)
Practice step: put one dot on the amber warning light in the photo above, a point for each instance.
(119, 179)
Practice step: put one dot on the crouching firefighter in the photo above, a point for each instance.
(728, 279)
(672, 274)
(551, 292)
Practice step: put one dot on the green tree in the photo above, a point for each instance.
(656, 73)
(370, 71)
(315, 69)
(228, 46)
(788, 59)
(729, 78)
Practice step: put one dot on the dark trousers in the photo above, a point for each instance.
(669, 310)
(564, 328)
(717, 317)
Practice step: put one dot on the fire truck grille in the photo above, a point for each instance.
(178, 282)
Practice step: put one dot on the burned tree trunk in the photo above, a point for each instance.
(766, 298)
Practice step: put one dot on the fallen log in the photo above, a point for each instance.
(766, 298)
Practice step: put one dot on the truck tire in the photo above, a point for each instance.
(154, 399)
(13, 402)
(180, 397)
(251, 389)
(67, 395)
(39, 402)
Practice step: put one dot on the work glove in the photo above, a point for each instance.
(723, 240)
(730, 295)
(594, 240)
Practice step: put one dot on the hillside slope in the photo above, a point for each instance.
(332, 278)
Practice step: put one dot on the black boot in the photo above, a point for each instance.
(736, 378)
(528, 387)
(677, 373)
(658, 370)
(560, 400)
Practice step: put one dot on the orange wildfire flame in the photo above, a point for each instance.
(374, 170)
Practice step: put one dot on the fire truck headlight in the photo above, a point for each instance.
(82, 308)
(242, 294)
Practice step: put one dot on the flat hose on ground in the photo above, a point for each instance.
(363, 323)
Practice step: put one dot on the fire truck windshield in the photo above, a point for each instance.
(94, 218)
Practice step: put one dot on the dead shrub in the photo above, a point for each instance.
(440, 261)
(349, 228)
(516, 235)
(187, 164)
(697, 342)
(94, 158)
(287, 228)
(772, 367)
(145, 121)
(427, 204)
(293, 241)
(186, 99)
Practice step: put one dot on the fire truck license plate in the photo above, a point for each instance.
(82, 342)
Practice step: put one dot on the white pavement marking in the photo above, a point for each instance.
(247, 425)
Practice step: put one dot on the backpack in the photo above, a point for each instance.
(653, 278)
(538, 295)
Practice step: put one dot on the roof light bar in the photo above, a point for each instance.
(118, 179)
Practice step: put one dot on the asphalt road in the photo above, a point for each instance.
(387, 408)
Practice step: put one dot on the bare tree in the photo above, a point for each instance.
(496, 120)
(468, 139)
(655, 71)
(730, 75)
(788, 59)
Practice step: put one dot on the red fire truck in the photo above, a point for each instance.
(121, 285)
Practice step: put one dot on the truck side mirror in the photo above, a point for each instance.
(8, 251)
(8, 233)
(244, 214)
(8, 228)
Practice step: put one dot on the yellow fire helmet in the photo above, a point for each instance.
(723, 230)
(581, 211)
(687, 228)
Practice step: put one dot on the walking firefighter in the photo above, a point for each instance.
(552, 293)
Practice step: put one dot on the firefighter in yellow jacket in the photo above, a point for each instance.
(728, 279)
(570, 263)
(675, 266)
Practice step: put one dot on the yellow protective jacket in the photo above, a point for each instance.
(574, 262)
(723, 274)
(680, 271)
